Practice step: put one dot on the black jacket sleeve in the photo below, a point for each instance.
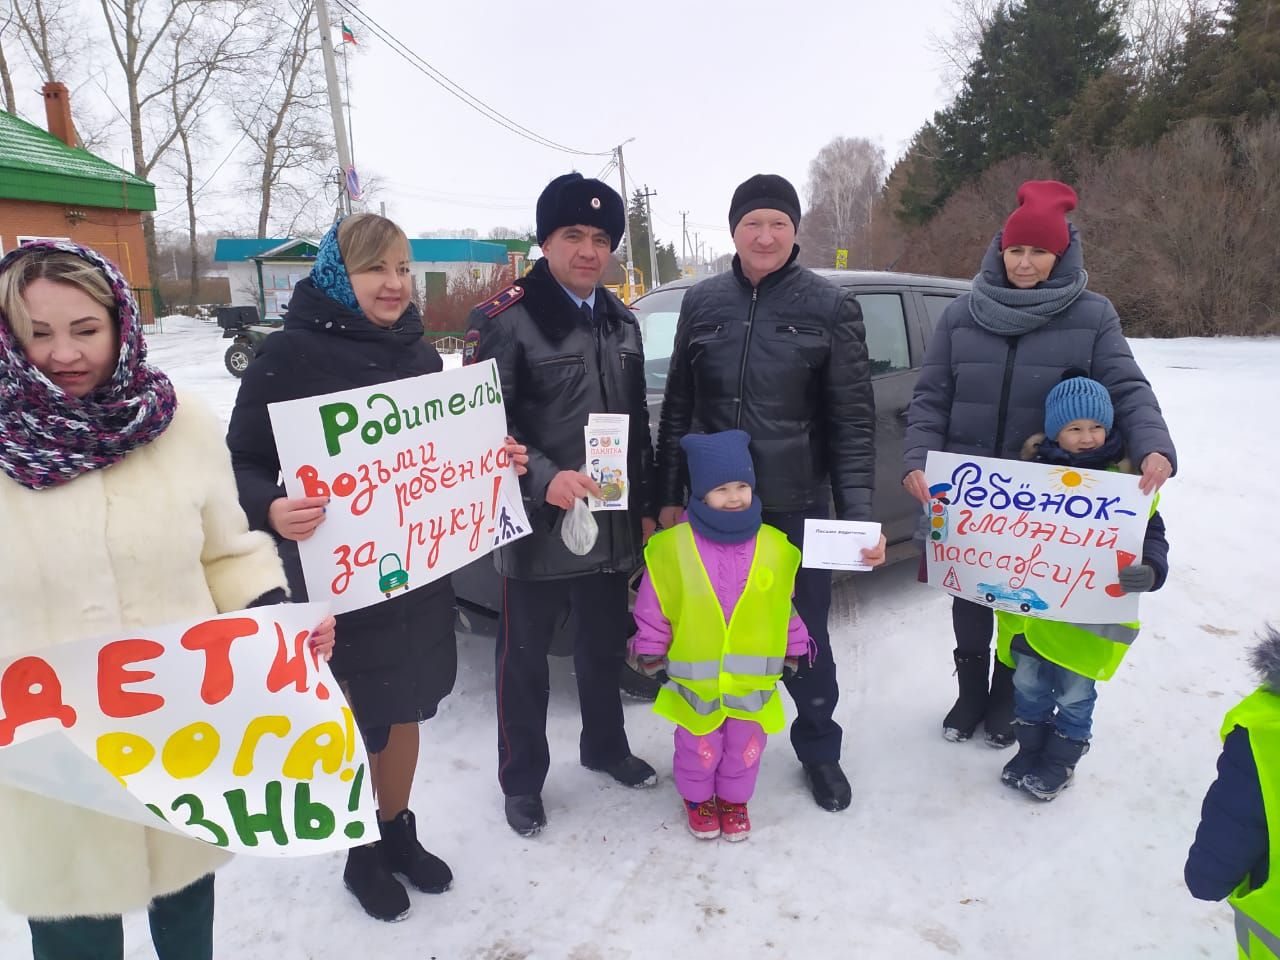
(1155, 549)
(677, 412)
(644, 484)
(850, 410)
(1231, 841)
(495, 344)
(252, 442)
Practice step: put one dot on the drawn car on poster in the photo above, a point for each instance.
(1024, 598)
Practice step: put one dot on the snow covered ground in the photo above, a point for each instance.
(934, 858)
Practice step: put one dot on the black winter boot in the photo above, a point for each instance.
(406, 855)
(1031, 740)
(1056, 767)
(971, 675)
(369, 877)
(999, 717)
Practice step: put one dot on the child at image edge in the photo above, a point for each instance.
(1058, 664)
(714, 614)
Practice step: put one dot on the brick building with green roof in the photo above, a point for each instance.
(52, 188)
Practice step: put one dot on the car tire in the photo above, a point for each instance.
(1024, 607)
(637, 686)
(991, 598)
(237, 358)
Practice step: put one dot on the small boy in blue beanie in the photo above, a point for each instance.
(714, 619)
(1057, 665)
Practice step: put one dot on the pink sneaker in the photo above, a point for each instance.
(734, 823)
(704, 822)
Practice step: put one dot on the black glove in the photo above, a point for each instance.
(1138, 578)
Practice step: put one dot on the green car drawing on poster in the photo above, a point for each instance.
(391, 576)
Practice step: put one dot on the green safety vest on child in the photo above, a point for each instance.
(1092, 650)
(1258, 911)
(719, 670)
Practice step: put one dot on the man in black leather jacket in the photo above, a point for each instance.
(566, 348)
(776, 350)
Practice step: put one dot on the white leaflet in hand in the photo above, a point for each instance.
(838, 544)
(606, 459)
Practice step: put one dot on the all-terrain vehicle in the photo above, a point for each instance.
(242, 327)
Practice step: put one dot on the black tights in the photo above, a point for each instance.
(973, 625)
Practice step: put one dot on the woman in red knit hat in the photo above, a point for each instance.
(994, 356)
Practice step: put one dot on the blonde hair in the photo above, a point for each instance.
(56, 266)
(364, 237)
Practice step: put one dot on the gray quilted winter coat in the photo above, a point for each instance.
(983, 394)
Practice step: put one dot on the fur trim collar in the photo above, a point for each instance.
(553, 310)
(1032, 446)
(1265, 659)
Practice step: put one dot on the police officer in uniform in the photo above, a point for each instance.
(566, 348)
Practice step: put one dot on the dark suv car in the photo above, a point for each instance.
(899, 311)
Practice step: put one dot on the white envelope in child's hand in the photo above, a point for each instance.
(838, 544)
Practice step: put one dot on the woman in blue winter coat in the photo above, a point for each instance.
(991, 361)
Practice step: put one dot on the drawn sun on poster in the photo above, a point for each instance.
(1067, 479)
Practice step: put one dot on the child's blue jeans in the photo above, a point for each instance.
(1040, 686)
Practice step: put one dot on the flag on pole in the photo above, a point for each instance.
(348, 36)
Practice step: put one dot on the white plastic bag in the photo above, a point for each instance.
(579, 530)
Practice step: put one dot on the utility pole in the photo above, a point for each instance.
(626, 208)
(653, 248)
(697, 255)
(335, 103)
(684, 238)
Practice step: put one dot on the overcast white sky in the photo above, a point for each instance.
(711, 92)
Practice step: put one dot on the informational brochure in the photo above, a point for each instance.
(606, 459)
(838, 544)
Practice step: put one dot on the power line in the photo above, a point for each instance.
(457, 91)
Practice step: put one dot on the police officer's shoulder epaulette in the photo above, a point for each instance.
(499, 302)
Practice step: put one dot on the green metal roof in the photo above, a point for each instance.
(36, 165)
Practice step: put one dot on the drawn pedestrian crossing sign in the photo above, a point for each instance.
(951, 581)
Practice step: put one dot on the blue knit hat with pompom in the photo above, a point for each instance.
(1078, 398)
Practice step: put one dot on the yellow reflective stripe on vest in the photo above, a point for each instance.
(1246, 926)
(1124, 633)
(753, 666)
(700, 706)
(750, 703)
(738, 663)
(696, 670)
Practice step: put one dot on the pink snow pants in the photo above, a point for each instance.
(723, 763)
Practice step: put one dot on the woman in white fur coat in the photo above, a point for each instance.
(119, 510)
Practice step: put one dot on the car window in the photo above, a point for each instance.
(886, 326)
(658, 313)
(934, 304)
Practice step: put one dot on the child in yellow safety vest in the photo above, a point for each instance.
(715, 621)
(1058, 664)
(1237, 845)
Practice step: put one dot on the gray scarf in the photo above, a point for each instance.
(1010, 312)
